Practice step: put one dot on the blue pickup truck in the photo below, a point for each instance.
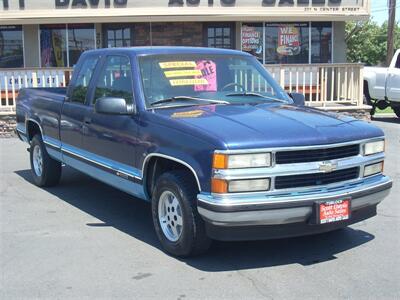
(210, 140)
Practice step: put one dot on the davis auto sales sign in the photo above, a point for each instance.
(46, 4)
(14, 12)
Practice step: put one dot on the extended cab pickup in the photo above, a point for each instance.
(211, 140)
(382, 85)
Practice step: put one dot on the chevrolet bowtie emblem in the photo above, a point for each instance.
(327, 166)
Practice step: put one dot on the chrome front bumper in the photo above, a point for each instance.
(288, 208)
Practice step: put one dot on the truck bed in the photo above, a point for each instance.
(42, 104)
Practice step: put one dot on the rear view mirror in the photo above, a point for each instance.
(111, 106)
(298, 99)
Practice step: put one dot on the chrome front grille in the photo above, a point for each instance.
(303, 168)
(323, 154)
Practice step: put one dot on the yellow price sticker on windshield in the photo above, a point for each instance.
(182, 73)
(196, 81)
(188, 114)
(177, 64)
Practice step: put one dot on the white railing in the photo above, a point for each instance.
(324, 85)
(12, 80)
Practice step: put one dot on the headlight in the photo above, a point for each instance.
(373, 169)
(239, 161)
(374, 147)
(240, 186)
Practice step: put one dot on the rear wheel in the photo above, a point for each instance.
(45, 170)
(367, 98)
(177, 223)
(396, 111)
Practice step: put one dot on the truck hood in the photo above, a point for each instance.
(267, 125)
(375, 68)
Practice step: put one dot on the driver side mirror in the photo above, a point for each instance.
(298, 99)
(112, 106)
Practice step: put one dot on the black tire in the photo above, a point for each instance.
(50, 169)
(367, 100)
(396, 111)
(367, 97)
(193, 239)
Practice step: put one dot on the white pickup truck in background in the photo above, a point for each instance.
(382, 86)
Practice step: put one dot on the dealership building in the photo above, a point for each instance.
(53, 33)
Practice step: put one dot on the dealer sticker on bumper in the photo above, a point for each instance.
(333, 211)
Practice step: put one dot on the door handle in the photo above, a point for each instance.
(87, 120)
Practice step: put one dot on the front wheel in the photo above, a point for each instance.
(177, 223)
(45, 170)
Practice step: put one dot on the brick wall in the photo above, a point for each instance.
(177, 33)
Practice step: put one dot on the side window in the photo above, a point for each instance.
(115, 79)
(82, 82)
(398, 62)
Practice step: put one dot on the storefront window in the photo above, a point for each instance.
(81, 37)
(253, 39)
(60, 48)
(11, 47)
(321, 42)
(53, 45)
(286, 43)
(220, 36)
(118, 35)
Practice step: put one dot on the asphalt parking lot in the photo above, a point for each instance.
(84, 239)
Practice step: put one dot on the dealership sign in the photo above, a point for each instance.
(124, 3)
(95, 4)
(78, 11)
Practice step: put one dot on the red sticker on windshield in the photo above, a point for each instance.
(208, 70)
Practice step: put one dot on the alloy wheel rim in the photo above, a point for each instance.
(37, 160)
(170, 216)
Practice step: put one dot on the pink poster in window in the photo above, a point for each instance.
(208, 70)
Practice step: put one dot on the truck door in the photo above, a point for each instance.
(112, 139)
(73, 110)
(393, 82)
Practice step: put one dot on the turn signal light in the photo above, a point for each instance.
(220, 161)
(219, 186)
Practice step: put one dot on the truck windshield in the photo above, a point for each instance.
(223, 79)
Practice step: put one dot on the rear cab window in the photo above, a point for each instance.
(80, 88)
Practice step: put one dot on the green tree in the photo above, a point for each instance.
(367, 42)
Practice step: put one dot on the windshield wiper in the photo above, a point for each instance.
(252, 94)
(180, 98)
